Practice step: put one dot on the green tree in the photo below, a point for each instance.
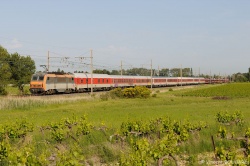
(60, 71)
(138, 71)
(104, 71)
(164, 72)
(5, 73)
(191, 72)
(22, 67)
(175, 72)
(239, 77)
(114, 72)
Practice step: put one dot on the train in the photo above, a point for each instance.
(53, 83)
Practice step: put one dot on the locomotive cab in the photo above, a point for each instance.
(37, 83)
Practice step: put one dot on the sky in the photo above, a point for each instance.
(210, 36)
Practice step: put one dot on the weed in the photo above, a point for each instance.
(104, 96)
(154, 95)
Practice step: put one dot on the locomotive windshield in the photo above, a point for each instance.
(40, 78)
(34, 77)
(37, 78)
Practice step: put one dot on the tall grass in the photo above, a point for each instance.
(26, 103)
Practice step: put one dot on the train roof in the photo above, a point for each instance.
(131, 77)
(87, 75)
(39, 74)
(84, 75)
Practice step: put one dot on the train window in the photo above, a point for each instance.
(61, 80)
(98, 80)
(40, 78)
(81, 81)
(47, 81)
(34, 78)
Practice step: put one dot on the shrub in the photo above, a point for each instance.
(170, 89)
(3, 91)
(129, 92)
(137, 92)
(117, 92)
(154, 95)
(104, 96)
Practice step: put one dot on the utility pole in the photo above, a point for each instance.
(181, 74)
(49, 57)
(151, 75)
(121, 68)
(91, 66)
(210, 77)
(142, 71)
(158, 71)
(48, 63)
(248, 74)
(91, 69)
(199, 75)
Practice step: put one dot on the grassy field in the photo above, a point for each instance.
(226, 90)
(114, 112)
(180, 104)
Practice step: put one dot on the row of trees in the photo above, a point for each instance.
(174, 72)
(165, 72)
(241, 77)
(15, 69)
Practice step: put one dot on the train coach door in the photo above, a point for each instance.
(67, 82)
(87, 81)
